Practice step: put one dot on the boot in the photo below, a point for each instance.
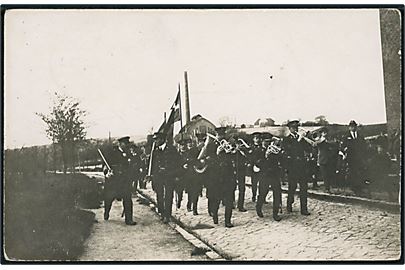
(305, 213)
(242, 210)
(289, 208)
(106, 216)
(215, 218)
(259, 212)
(229, 225)
(276, 217)
(130, 222)
(188, 207)
(166, 220)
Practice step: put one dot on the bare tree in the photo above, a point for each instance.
(225, 121)
(65, 126)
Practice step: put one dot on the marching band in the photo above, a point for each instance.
(219, 164)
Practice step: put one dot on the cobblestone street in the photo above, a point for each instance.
(150, 239)
(333, 231)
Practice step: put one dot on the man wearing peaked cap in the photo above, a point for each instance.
(295, 147)
(200, 136)
(118, 182)
(124, 140)
(293, 122)
(254, 160)
(221, 131)
(267, 136)
(165, 169)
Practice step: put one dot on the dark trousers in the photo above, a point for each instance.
(193, 195)
(116, 188)
(296, 175)
(241, 189)
(164, 197)
(179, 190)
(226, 196)
(270, 179)
(255, 180)
(194, 189)
(355, 177)
(328, 174)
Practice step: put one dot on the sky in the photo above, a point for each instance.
(125, 66)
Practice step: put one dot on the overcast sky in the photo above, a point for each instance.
(124, 66)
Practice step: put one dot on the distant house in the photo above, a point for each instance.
(198, 124)
(264, 122)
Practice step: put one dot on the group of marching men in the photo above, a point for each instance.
(217, 163)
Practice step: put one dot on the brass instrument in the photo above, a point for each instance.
(273, 149)
(202, 168)
(226, 146)
(201, 157)
(223, 144)
(244, 143)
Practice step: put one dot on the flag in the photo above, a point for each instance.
(175, 115)
(176, 108)
(162, 126)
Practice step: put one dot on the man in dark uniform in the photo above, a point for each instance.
(165, 167)
(256, 149)
(269, 165)
(183, 180)
(240, 169)
(143, 168)
(135, 165)
(295, 147)
(223, 182)
(118, 181)
(327, 158)
(195, 178)
(354, 147)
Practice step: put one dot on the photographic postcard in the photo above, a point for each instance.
(208, 134)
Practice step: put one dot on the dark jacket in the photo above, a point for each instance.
(327, 153)
(294, 149)
(355, 149)
(118, 159)
(166, 163)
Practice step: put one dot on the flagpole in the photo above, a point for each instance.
(181, 117)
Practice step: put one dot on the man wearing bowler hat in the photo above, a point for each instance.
(295, 146)
(354, 147)
(118, 182)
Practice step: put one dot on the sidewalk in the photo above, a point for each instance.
(150, 239)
